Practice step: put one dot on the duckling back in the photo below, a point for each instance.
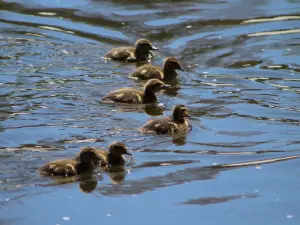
(64, 167)
(157, 126)
(124, 95)
(147, 72)
(122, 54)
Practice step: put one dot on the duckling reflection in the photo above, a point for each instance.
(133, 96)
(117, 177)
(173, 89)
(179, 138)
(88, 185)
(87, 182)
(85, 162)
(154, 110)
(140, 52)
(150, 109)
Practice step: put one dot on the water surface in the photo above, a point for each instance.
(239, 164)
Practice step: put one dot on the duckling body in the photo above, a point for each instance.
(114, 155)
(133, 96)
(177, 123)
(86, 161)
(139, 52)
(168, 71)
(110, 159)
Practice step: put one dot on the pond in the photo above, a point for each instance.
(239, 164)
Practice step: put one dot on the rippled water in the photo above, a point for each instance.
(239, 165)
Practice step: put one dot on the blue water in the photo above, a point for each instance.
(241, 87)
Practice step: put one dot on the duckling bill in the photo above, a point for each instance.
(168, 71)
(133, 96)
(177, 123)
(86, 161)
(139, 52)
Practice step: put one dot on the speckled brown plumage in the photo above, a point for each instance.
(86, 161)
(133, 96)
(177, 123)
(149, 71)
(140, 52)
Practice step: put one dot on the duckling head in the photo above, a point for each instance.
(180, 112)
(144, 45)
(118, 148)
(172, 64)
(89, 155)
(155, 85)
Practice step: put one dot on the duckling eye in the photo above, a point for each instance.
(148, 45)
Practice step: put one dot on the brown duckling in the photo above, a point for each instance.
(114, 155)
(133, 96)
(149, 71)
(86, 161)
(139, 52)
(177, 123)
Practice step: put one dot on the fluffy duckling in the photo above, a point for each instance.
(177, 123)
(114, 155)
(139, 52)
(86, 161)
(168, 71)
(129, 95)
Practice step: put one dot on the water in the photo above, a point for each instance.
(241, 86)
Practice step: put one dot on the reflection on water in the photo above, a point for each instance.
(241, 85)
(213, 200)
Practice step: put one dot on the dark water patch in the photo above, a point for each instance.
(165, 163)
(213, 152)
(180, 177)
(257, 162)
(217, 200)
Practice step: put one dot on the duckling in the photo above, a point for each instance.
(139, 52)
(86, 161)
(175, 124)
(113, 157)
(168, 72)
(129, 95)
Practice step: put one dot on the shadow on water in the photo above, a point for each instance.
(182, 176)
(214, 200)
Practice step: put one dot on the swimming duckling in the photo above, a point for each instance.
(149, 71)
(86, 161)
(130, 95)
(113, 157)
(175, 124)
(140, 52)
